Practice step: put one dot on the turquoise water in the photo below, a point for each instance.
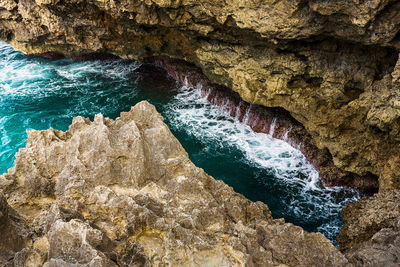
(38, 94)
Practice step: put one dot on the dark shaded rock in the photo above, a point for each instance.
(13, 235)
(383, 249)
(366, 217)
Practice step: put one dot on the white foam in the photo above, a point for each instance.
(272, 127)
(212, 124)
(208, 123)
(22, 76)
(285, 136)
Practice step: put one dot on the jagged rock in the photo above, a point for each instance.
(124, 192)
(371, 232)
(75, 242)
(390, 176)
(29, 257)
(366, 217)
(334, 65)
(383, 249)
(331, 64)
(13, 235)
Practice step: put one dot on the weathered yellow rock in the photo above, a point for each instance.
(42, 244)
(124, 192)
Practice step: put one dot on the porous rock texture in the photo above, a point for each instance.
(371, 232)
(13, 234)
(124, 193)
(333, 64)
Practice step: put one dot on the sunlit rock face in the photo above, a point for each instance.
(124, 192)
(332, 64)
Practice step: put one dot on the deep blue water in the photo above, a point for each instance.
(38, 94)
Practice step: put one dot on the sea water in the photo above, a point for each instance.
(38, 94)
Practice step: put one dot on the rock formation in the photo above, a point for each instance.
(371, 232)
(12, 231)
(124, 192)
(332, 64)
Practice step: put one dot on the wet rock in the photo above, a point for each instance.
(124, 192)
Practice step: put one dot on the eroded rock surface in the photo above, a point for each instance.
(12, 232)
(278, 123)
(368, 216)
(383, 249)
(371, 232)
(332, 64)
(124, 193)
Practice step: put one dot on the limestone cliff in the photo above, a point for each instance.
(333, 64)
(124, 192)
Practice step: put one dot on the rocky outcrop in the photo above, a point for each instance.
(371, 232)
(368, 216)
(383, 249)
(12, 231)
(124, 192)
(332, 64)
